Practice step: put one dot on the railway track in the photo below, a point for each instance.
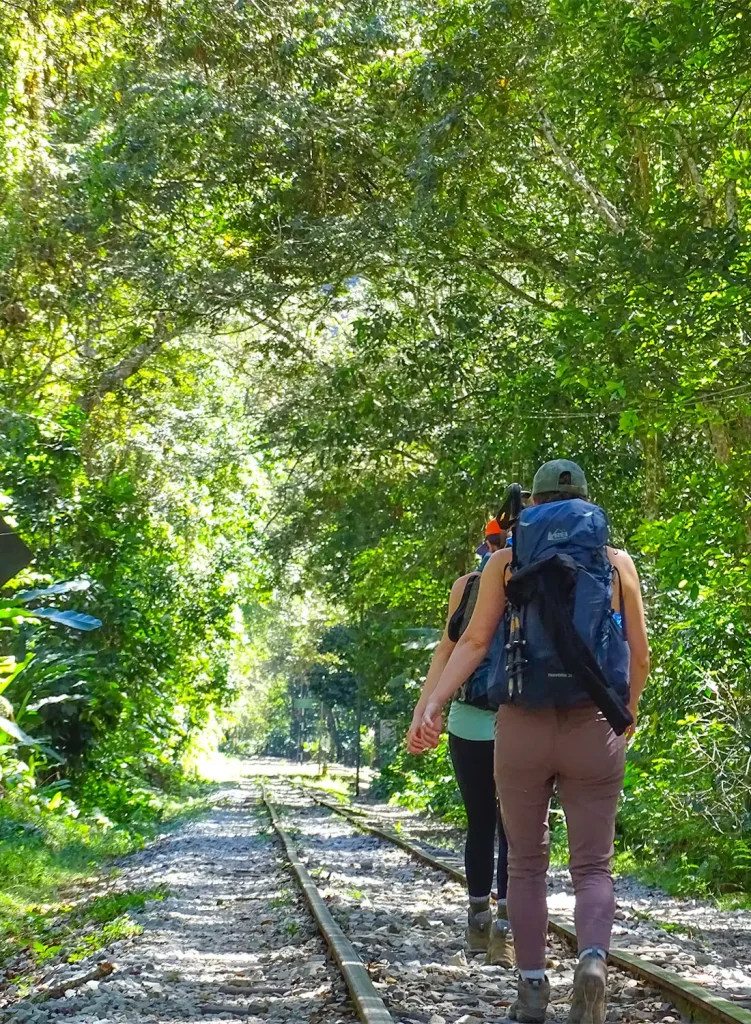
(392, 914)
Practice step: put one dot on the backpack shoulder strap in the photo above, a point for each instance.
(460, 619)
(621, 608)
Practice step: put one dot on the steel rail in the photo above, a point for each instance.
(370, 1008)
(694, 1001)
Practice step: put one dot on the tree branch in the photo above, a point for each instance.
(518, 292)
(605, 210)
(691, 165)
(731, 204)
(112, 380)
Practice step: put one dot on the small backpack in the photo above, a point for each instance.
(460, 619)
(475, 690)
(560, 642)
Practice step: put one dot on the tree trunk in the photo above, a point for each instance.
(112, 380)
(725, 456)
(358, 726)
(336, 740)
(652, 473)
(602, 206)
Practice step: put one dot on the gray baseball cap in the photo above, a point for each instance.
(560, 475)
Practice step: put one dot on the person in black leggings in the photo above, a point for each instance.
(471, 744)
(473, 767)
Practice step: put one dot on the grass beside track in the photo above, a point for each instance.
(59, 891)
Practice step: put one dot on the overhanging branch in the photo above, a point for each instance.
(605, 210)
(533, 300)
(691, 166)
(112, 380)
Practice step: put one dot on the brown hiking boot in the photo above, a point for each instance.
(477, 932)
(590, 987)
(500, 945)
(532, 998)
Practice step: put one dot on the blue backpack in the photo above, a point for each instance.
(560, 642)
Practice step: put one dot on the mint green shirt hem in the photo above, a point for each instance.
(470, 723)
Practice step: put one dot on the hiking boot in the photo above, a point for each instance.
(477, 933)
(500, 945)
(590, 986)
(532, 998)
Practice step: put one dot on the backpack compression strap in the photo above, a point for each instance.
(551, 584)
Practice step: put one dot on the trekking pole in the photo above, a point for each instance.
(511, 649)
(521, 661)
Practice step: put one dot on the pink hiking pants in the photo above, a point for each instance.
(576, 749)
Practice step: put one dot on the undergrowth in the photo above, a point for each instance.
(51, 854)
(341, 788)
(424, 783)
(428, 784)
(54, 931)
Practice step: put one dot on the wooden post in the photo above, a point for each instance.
(359, 708)
(320, 737)
(357, 749)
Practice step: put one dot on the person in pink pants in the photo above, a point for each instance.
(571, 747)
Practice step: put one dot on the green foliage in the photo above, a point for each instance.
(82, 930)
(76, 931)
(687, 798)
(160, 556)
(48, 848)
(279, 323)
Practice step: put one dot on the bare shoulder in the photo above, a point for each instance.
(624, 563)
(494, 573)
(459, 585)
(500, 559)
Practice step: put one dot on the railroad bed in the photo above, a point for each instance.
(705, 946)
(234, 939)
(406, 920)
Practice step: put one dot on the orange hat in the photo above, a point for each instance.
(493, 529)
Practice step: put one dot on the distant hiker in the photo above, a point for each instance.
(574, 665)
(495, 538)
(471, 741)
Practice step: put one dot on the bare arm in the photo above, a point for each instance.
(446, 645)
(636, 626)
(441, 655)
(475, 642)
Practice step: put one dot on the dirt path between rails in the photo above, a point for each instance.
(407, 921)
(692, 937)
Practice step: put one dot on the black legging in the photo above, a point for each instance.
(473, 767)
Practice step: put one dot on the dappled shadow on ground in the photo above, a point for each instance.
(706, 945)
(233, 938)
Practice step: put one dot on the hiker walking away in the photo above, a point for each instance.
(471, 740)
(575, 661)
